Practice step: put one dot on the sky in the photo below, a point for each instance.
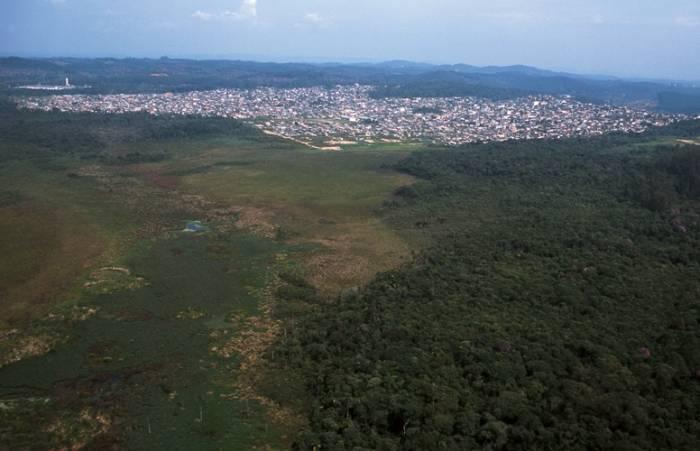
(631, 38)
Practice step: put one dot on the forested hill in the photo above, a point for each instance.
(509, 84)
(679, 103)
(111, 75)
(393, 79)
(557, 308)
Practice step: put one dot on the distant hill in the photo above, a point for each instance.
(449, 84)
(108, 75)
(679, 103)
(515, 81)
(517, 69)
(392, 79)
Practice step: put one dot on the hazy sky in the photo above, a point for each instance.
(652, 38)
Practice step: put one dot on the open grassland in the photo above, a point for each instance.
(64, 216)
(50, 250)
(325, 198)
(53, 229)
(402, 148)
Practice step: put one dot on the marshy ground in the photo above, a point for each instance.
(119, 329)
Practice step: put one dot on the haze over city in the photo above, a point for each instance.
(645, 38)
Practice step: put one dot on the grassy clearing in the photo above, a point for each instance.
(326, 198)
(384, 147)
(65, 225)
(50, 250)
(64, 218)
(52, 235)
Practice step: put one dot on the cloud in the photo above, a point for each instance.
(317, 20)
(248, 10)
(688, 21)
(529, 18)
(201, 15)
(313, 20)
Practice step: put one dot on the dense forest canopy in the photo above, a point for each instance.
(679, 103)
(37, 135)
(557, 308)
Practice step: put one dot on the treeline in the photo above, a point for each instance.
(33, 134)
(514, 84)
(553, 311)
(446, 84)
(133, 75)
(679, 103)
(669, 180)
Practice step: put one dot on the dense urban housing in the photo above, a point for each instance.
(349, 114)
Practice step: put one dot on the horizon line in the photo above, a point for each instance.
(318, 60)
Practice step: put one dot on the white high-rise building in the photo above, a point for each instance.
(67, 83)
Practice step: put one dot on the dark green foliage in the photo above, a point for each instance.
(46, 135)
(679, 103)
(653, 189)
(110, 75)
(447, 84)
(552, 312)
(295, 288)
(671, 178)
(681, 129)
(10, 198)
(454, 82)
(685, 166)
(138, 157)
(407, 192)
(427, 110)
